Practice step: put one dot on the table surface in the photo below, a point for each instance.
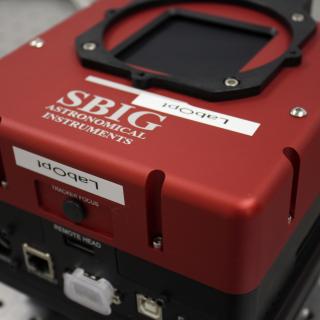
(20, 21)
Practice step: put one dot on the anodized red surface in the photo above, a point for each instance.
(226, 196)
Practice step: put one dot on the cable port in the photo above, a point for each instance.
(149, 307)
(5, 248)
(79, 244)
(39, 263)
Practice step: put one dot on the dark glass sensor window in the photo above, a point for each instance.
(196, 47)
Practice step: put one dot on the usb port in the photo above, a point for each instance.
(79, 244)
(149, 307)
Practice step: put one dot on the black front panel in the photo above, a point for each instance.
(24, 236)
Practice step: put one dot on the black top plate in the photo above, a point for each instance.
(210, 49)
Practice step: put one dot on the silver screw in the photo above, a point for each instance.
(299, 112)
(89, 46)
(298, 17)
(37, 43)
(181, 318)
(231, 82)
(4, 184)
(290, 219)
(305, 314)
(157, 243)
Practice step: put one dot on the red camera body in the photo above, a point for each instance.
(210, 190)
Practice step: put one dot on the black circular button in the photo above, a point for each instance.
(74, 210)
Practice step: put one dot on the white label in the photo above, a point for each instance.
(70, 176)
(181, 109)
(189, 112)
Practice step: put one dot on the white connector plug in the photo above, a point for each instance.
(94, 294)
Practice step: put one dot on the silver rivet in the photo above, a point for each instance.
(37, 43)
(4, 184)
(89, 46)
(298, 17)
(299, 112)
(306, 314)
(290, 219)
(157, 243)
(231, 82)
